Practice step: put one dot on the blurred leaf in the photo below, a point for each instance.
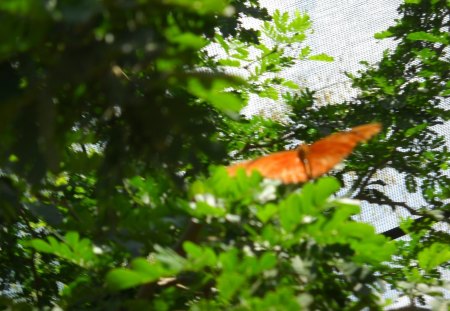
(216, 95)
(321, 57)
(433, 256)
(200, 257)
(201, 6)
(229, 283)
(119, 279)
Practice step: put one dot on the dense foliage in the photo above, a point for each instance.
(115, 119)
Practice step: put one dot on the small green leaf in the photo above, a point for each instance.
(304, 52)
(414, 130)
(224, 44)
(266, 212)
(13, 158)
(269, 92)
(229, 62)
(290, 84)
(383, 34)
(321, 57)
(188, 40)
(216, 95)
(433, 256)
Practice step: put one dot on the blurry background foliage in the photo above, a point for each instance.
(111, 113)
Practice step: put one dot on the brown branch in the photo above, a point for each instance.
(393, 204)
(397, 232)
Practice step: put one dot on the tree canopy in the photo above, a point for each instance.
(117, 117)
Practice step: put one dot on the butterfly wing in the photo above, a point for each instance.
(325, 153)
(306, 162)
(285, 166)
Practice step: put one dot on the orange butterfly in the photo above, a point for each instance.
(308, 161)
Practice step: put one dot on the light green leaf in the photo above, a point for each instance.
(228, 283)
(187, 40)
(269, 92)
(119, 279)
(324, 188)
(290, 84)
(199, 256)
(202, 6)
(216, 95)
(41, 246)
(229, 260)
(424, 36)
(267, 261)
(289, 211)
(383, 34)
(433, 256)
(229, 62)
(72, 238)
(321, 57)
(264, 213)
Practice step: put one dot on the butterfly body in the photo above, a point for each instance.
(308, 161)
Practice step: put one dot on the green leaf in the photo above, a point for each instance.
(304, 53)
(269, 92)
(267, 261)
(198, 256)
(290, 212)
(424, 36)
(119, 279)
(266, 212)
(188, 40)
(290, 84)
(228, 283)
(216, 95)
(383, 34)
(142, 271)
(415, 130)
(202, 6)
(321, 57)
(72, 238)
(224, 44)
(41, 246)
(229, 62)
(173, 262)
(229, 260)
(16, 6)
(324, 188)
(433, 256)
